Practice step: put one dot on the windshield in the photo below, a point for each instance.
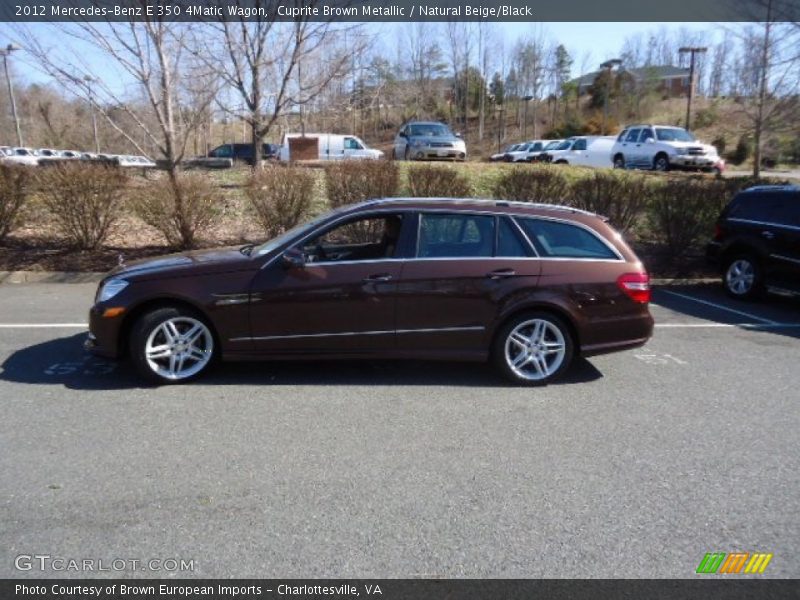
(552, 145)
(565, 145)
(274, 243)
(673, 134)
(429, 130)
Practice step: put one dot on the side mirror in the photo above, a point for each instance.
(293, 258)
(402, 134)
(650, 141)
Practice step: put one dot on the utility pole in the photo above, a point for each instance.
(5, 53)
(527, 100)
(89, 81)
(608, 66)
(691, 50)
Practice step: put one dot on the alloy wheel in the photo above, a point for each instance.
(535, 349)
(740, 276)
(179, 348)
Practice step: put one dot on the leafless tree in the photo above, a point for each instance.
(278, 67)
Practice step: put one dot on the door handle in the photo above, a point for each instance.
(377, 278)
(501, 273)
(767, 234)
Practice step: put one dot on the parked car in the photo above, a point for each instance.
(20, 156)
(520, 153)
(543, 155)
(584, 151)
(536, 147)
(662, 148)
(325, 146)
(244, 152)
(757, 241)
(141, 162)
(528, 286)
(499, 156)
(423, 140)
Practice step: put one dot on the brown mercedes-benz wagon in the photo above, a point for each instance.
(527, 286)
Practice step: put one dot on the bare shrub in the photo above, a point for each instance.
(431, 181)
(14, 182)
(84, 200)
(682, 212)
(180, 208)
(620, 196)
(351, 181)
(281, 197)
(534, 183)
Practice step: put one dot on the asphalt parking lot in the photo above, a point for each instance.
(635, 465)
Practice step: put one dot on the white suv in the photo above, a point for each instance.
(662, 148)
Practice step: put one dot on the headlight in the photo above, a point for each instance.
(111, 288)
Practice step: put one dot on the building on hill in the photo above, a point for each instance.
(672, 81)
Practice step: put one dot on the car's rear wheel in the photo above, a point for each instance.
(171, 345)
(742, 277)
(533, 348)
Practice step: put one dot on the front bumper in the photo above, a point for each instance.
(104, 334)
(426, 153)
(687, 160)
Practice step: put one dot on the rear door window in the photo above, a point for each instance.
(556, 239)
(455, 236)
(633, 135)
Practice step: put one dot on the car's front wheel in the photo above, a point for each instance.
(742, 277)
(171, 345)
(619, 162)
(533, 348)
(661, 163)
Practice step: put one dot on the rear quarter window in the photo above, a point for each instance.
(556, 239)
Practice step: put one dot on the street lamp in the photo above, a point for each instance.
(608, 66)
(89, 81)
(691, 50)
(526, 99)
(5, 53)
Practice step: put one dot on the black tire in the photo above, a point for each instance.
(407, 154)
(743, 277)
(150, 324)
(619, 161)
(661, 163)
(561, 162)
(502, 359)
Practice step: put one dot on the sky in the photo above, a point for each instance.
(598, 40)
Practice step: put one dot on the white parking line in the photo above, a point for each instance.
(720, 306)
(42, 325)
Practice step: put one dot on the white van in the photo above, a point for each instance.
(325, 146)
(584, 151)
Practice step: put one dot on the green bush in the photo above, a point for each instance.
(84, 200)
(14, 182)
(683, 211)
(351, 181)
(180, 208)
(533, 183)
(742, 151)
(432, 181)
(281, 197)
(622, 197)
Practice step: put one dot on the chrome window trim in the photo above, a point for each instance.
(476, 211)
(354, 333)
(764, 223)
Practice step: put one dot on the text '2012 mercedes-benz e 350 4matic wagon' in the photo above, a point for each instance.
(527, 286)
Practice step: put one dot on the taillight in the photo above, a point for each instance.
(636, 286)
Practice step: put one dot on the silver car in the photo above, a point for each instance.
(421, 140)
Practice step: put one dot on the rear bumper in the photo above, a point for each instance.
(618, 334)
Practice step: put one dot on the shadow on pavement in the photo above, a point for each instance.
(63, 361)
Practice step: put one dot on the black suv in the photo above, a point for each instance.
(757, 241)
(244, 152)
